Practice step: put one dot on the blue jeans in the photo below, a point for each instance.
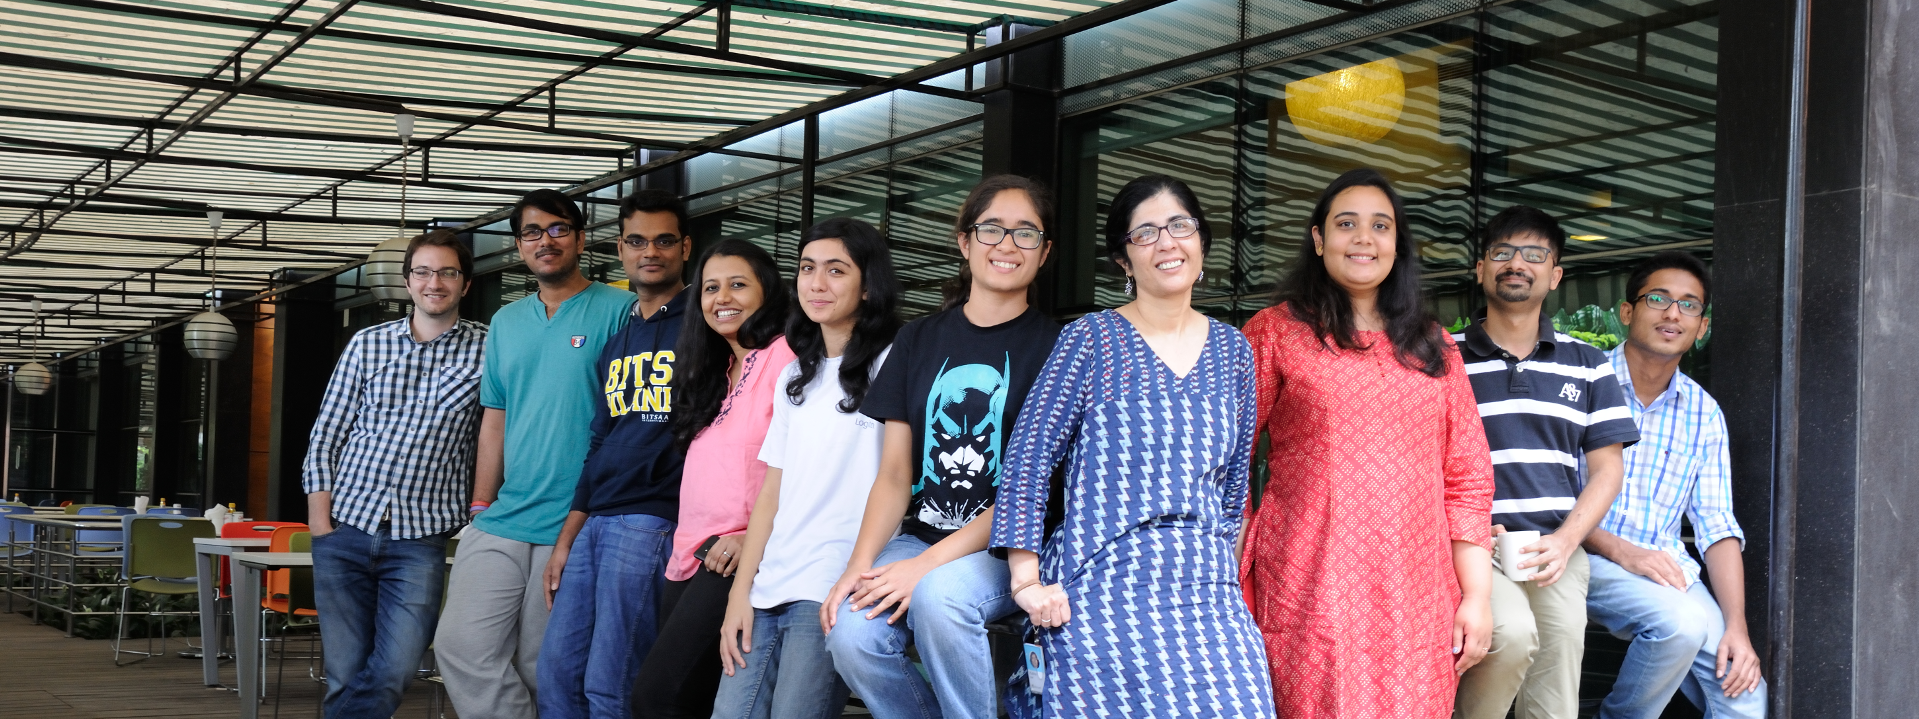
(379, 601)
(788, 673)
(1675, 646)
(603, 621)
(951, 606)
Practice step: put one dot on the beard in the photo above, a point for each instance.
(1509, 293)
(559, 274)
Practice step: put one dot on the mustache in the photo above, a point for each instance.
(1514, 273)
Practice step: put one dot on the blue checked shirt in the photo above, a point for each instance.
(398, 430)
(1680, 466)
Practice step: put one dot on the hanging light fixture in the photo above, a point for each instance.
(210, 335)
(33, 378)
(385, 271)
(1356, 105)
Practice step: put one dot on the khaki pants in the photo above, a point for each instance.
(1539, 636)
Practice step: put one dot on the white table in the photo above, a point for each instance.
(207, 568)
(247, 569)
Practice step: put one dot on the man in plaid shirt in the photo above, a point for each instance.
(386, 479)
(1645, 584)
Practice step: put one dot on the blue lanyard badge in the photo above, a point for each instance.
(1035, 662)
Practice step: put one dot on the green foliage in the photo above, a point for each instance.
(1600, 327)
(107, 599)
(1458, 326)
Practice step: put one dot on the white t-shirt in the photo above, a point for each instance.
(827, 461)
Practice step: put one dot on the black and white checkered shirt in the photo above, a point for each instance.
(398, 430)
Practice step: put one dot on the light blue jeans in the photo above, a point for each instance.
(1675, 646)
(951, 606)
(788, 673)
(603, 621)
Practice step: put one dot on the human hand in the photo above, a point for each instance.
(1738, 665)
(1499, 529)
(724, 556)
(317, 528)
(1550, 554)
(1472, 632)
(555, 566)
(889, 585)
(1045, 605)
(1652, 564)
(830, 609)
(736, 634)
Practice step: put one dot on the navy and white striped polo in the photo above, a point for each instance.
(1542, 414)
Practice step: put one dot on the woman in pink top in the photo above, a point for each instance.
(728, 372)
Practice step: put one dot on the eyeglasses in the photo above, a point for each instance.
(423, 274)
(1180, 228)
(531, 233)
(664, 242)
(1658, 303)
(1535, 255)
(1025, 238)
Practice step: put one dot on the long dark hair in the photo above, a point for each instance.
(1315, 299)
(879, 317)
(956, 291)
(699, 374)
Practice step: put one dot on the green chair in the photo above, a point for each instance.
(302, 612)
(159, 562)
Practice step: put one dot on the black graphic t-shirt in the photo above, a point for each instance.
(960, 387)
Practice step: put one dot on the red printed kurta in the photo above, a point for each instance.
(1375, 470)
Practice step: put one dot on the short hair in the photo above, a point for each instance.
(1669, 260)
(1119, 219)
(655, 200)
(441, 238)
(552, 202)
(1525, 220)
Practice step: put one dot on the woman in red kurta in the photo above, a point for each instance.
(1368, 565)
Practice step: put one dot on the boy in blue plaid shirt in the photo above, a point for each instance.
(1645, 586)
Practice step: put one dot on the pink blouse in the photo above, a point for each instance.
(723, 470)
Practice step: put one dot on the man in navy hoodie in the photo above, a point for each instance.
(603, 580)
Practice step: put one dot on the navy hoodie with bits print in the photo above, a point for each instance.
(633, 465)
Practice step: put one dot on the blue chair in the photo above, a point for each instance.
(175, 511)
(16, 533)
(102, 543)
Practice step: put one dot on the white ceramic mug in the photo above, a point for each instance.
(1510, 557)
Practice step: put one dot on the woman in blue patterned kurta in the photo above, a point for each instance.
(1137, 596)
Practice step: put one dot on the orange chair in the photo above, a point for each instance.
(279, 588)
(246, 530)
(289, 592)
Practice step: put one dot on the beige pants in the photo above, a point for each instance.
(1539, 636)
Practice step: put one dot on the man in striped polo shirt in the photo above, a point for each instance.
(1548, 401)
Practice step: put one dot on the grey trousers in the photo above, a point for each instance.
(488, 643)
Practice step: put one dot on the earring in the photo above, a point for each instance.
(1129, 284)
(1202, 277)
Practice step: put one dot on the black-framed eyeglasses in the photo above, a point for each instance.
(531, 233)
(664, 242)
(423, 274)
(1535, 255)
(1658, 303)
(1025, 238)
(1180, 228)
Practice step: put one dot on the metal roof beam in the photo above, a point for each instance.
(282, 248)
(198, 211)
(30, 146)
(416, 42)
(628, 39)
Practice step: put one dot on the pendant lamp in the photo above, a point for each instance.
(33, 378)
(210, 335)
(385, 272)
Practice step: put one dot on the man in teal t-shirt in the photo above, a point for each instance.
(538, 385)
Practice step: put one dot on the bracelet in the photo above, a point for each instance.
(1022, 586)
(478, 506)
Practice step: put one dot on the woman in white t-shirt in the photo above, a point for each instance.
(821, 456)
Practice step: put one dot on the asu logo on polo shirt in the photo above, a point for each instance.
(639, 383)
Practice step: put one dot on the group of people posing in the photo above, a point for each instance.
(749, 497)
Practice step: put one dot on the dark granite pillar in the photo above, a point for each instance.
(1021, 129)
(1840, 632)
(304, 326)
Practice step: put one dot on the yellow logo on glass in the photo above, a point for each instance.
(1352, 106)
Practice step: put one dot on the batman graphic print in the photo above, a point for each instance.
(959, 386)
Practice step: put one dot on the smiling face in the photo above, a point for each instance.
(1170, 265)
(1516, 280)
(1358, 240)
(1667, 332)
(551, 259)
(729, 293)
(829, 284)
(1005, 267)
(435, 296)
(649, 267)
